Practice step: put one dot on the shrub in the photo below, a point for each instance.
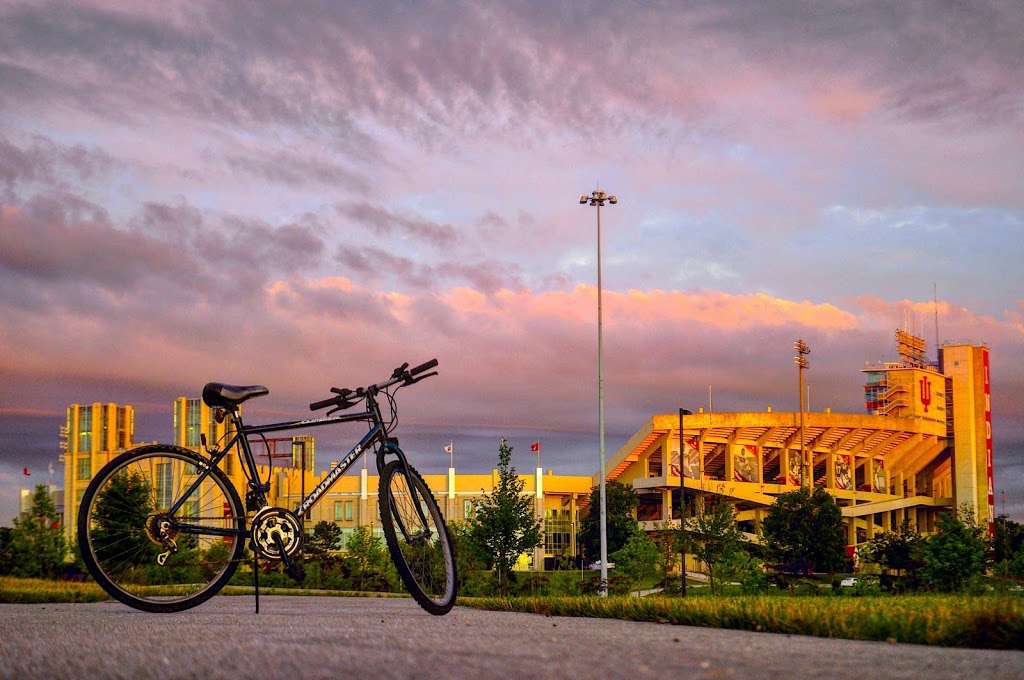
(954, 554)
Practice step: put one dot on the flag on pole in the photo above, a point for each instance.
(26, 472)
(449, 448)
(535, 447)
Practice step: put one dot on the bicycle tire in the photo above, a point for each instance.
(437, 606)
(87, 548)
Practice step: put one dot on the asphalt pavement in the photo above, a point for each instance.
(322, 637)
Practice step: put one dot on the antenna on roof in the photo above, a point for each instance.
(935, 308)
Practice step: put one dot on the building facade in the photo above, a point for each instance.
(92, 435)
(924, 447)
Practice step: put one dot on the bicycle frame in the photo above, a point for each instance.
(376, 438)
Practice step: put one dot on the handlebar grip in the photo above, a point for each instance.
(423, 367)
(317, 405)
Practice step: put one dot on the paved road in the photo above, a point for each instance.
(345, 637)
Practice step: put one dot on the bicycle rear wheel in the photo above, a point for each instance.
(126, 530)
(417, 538)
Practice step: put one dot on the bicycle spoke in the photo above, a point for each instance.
(139, 552)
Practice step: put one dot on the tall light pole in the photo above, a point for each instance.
(802, 364)
(597, 199)
(682, 502)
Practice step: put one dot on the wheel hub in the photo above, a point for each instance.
(159, 529)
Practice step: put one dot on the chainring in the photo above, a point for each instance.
(270, 522)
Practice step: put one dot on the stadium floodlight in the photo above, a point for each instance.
(802, 364)
(597, 199)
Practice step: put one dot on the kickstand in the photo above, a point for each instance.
(256, 579)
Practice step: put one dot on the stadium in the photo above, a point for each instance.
(923, 447)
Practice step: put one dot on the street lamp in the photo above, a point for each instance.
(802, 364)
(682, 502)
(597, 199)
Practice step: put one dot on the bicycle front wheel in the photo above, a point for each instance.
(143, 554)
(417, 537)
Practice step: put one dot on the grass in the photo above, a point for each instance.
(986, 621)
(37, 590)
(34, 590)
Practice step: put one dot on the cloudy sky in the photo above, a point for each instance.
(305, 195)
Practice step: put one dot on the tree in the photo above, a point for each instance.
(36, 546)
(326, 539)
(504, 526)
(120, 510)
(1008, 541)
(366, 558)
(636, 560)
(470, 561)
(898, 551)
(804, 532)
(5, 550)
(712, 536)
(621, 506)
(955, 553)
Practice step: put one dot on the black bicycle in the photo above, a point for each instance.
(162, 529)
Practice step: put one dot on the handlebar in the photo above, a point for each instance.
(317, 405)
(402, 374)
(423, 367)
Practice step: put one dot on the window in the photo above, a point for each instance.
(84, 469)
(105, 429)
(192, 507)
(85, 429)
(557, 529)
(468, 508)
(176, 417)
(122, 439)
(338, 510)
(348, 511)
(192, 428)
(164, 479)
(211, 429)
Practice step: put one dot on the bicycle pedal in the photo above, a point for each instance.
(296, 571)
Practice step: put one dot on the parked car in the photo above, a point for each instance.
(849, 582)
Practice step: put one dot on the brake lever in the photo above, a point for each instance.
(413, 381)
(344, 404)
(400, 370)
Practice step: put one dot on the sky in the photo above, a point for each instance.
(304, 195)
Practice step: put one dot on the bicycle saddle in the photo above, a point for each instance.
(228, 396)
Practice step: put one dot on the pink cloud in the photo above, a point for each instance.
(514, 357)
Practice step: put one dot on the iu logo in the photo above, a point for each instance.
(926, 392)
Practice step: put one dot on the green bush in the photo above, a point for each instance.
(564, 583)
(955, 554)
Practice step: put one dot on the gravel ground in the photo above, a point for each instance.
(312, 637)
